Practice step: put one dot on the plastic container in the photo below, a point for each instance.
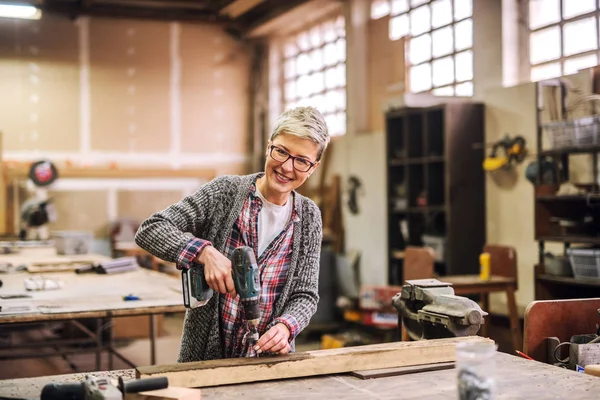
(476, 370)
(485, 266)
(585, 263)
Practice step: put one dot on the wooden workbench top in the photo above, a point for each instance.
(91, 295)
(517, 379)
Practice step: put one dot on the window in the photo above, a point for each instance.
(440, 42)
(314, 72)
(563, 37)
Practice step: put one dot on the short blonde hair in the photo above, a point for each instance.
(304, 122)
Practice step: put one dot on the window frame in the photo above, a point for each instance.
(283, 58)
(432, 58)
(560, 24)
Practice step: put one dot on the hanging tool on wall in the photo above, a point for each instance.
(506, 153)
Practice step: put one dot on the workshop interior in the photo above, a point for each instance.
(459, 195)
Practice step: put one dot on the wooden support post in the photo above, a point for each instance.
(311, 363)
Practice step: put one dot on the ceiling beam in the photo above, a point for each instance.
(239, 7)
(265, 12)
(74, 10)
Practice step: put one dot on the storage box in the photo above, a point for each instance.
(585, 263)
(377, 297)
(72, 242)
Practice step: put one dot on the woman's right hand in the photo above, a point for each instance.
(217, 271)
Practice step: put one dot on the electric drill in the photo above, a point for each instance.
(246, 279)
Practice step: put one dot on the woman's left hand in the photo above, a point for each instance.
(275, 340)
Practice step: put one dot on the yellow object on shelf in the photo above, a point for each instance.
(484, 266)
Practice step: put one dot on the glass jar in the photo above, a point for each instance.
(475, 368)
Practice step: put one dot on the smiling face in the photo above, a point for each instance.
(281, 178)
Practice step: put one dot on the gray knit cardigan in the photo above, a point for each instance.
(210, 214)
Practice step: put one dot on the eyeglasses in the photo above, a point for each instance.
(280, 155)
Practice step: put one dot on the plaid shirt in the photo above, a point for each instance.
(273, 265)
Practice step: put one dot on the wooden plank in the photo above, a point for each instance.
(411, 369)
(319, 362)
(170, 393)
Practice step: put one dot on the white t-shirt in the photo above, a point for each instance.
(272, 219)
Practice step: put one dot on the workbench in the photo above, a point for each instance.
(89, 296)
(517, 378)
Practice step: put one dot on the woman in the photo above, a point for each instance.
(262, 211)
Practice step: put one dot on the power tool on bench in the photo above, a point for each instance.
(93, 388)
(429, 309)
(246, 278)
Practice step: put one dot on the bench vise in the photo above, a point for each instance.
(429, 309)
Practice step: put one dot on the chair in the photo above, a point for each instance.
(557, 318)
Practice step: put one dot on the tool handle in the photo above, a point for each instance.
(65, 391)
(143, 385)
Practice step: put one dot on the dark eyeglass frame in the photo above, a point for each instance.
(312, 164)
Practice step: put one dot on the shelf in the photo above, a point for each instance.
(571, 150)
(416, 160)
(417, 210)
(591, 198)
(570, 239)
(569, 280)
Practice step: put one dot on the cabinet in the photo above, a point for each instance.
(436, 185)
(572, 219)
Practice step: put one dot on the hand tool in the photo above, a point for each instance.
(428, 309)
(93, 388)
(246, 278)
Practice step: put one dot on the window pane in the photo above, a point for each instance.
(462, 9)
(573, 8)
(442, 41)
(290, 49)
(415, 3)
(420, 78)
(303, 41)
(341, 75)
(463, 35)
(303, 64)
(543, 12)
(572, 65)
(318, 82)
(399, 6)
(464, 66)
(290, 91)
(341, 50)
(441, 13)
(420, 49)
(544, 45)
(339, 99)
(580, 36)
(464, 89)
(302, 86)
(444, 91)
(443, 71)
(330, 78)
(398, 26)
(329, 31)
(379, 8)
(318, 101)
(340, 26)
(316, 59)
(329, 105)
(341, 118)
(330, 54)
(420, 20)
(545, 72)
(316, 36)
(290, 69)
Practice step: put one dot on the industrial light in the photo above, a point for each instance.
(19, 11)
